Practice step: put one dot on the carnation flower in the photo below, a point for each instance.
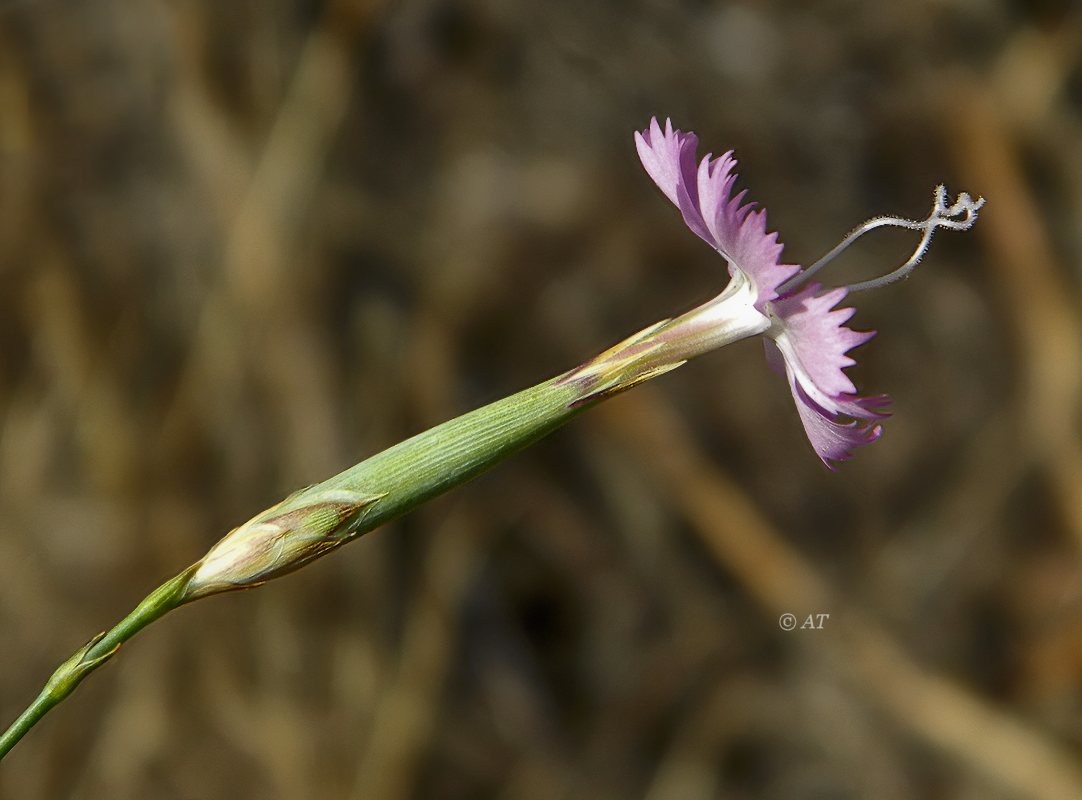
(805, 330)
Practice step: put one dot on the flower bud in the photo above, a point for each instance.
(281, 539)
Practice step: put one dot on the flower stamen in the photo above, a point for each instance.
(959, 216)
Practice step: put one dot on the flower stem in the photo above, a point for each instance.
(93, 654)
(390, 483)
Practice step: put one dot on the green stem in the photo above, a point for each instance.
(93, 654)
(398, 479)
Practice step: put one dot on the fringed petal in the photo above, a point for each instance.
(832, 439)
(811, 345)
(704, 197)
(815, 341)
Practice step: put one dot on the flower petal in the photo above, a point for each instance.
(668, 157)
(831, 439)
(811, 344)
(814, 341)
(704, 197)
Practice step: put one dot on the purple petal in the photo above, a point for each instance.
(669, 158)
(811, 348)
(832, 439)
(872, 407)
(815, 340)
(704, 197)
(664, 156)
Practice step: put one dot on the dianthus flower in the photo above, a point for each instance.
(805, 331)
(806, 337)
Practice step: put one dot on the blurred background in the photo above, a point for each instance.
(244, 245)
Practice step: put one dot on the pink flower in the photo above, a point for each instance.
(807, 335)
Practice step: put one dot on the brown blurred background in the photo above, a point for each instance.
(243, 245)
